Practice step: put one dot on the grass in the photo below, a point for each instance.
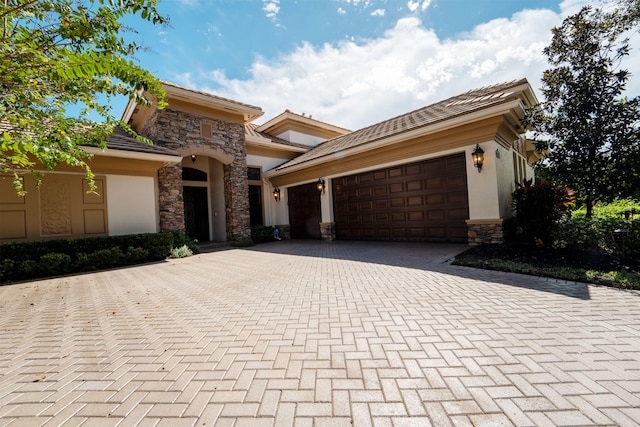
(589, 267)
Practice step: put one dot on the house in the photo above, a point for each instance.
(214, 173)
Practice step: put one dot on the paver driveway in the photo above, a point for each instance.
(318, 334)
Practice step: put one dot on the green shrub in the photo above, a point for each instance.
(619, 208)
(107, 258)
(181, 252)
(539, 208)
(180, 238)
(54, 263)
(261, 233)
(28, 260)
(600, 234)
(7, 267)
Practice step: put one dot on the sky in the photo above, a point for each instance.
(353, 63)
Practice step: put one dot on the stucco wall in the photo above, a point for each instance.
(131, 204)
(506, 180)
(266, 162)
(483, 191)
(301, 138)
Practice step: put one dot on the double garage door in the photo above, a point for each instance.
(422, 201)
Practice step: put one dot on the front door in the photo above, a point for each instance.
(196, 213)
(304, 211)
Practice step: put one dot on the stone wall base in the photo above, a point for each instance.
(328, 231)
(482, 231)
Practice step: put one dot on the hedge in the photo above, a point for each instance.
(34, 259)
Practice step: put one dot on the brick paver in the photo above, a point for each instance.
(318, 334)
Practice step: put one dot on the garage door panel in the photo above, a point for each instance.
(435, 215)
(413, 169)
(379, 175)
(456, 198)
(435, 199)
(398, 217)
(416, 216)
(395, 172)
(418, 201)
(380, 204)
(415, 201)
(397, 202)
(457, 214)
(414, 185)
(380, 190)
(456, 182)
(396, 188)
(364, 192)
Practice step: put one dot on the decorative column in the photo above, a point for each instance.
(236, 196)
(170, 198)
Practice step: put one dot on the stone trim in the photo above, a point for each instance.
(328, 231)
(485, 231)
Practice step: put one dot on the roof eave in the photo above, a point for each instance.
(249, 113)
(167, 159)
(265, 142)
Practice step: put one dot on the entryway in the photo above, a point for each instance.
(196, 213)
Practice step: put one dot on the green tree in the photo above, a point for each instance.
(64, 58)
(589, 129)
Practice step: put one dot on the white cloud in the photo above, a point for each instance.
(341, 11)
(271, 9)
(355, 84)
(378, 12)
(415, 5)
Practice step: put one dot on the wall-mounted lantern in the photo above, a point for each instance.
(478, 157)
(320, 185)
(193, 158)
(276, 194)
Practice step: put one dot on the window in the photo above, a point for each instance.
(254, 176)
(192, 174)
(519, 168)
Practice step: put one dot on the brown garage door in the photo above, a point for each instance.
(304, 211)
(423, 201)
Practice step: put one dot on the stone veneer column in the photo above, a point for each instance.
(481, 231)
(170, 198)
(236, 191)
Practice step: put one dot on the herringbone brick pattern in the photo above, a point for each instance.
(318, 334)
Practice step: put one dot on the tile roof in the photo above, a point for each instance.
(120, 140)
(450, 108)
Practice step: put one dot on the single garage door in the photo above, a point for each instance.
(423, 201)
(304, 211)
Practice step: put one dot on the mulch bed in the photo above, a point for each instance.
(545, 258)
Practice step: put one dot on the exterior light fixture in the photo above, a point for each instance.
(320, 185)
(478, 157)
(193, 158)
(276, 194)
